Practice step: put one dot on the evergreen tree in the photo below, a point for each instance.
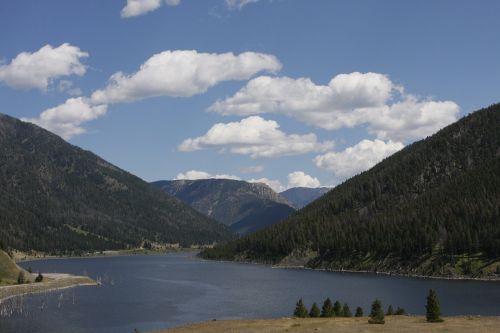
(433, 311)
(346, 311)
(400, 312)
(327, 309)
(359, 312)
(377, 314)
(315, 312)
(20, 278)
(390, 310)
(39, 278)
(337, 309)
(300, 310)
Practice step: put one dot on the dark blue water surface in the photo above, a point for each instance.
(152, 292)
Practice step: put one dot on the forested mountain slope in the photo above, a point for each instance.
(246, 207)
(56, 197)
(433, 208)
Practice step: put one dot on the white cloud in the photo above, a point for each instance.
(196, 174)
(301, 179)
(274, 184)
(357, 158)
(68, 87)
(252, 169)
(412, 119)
(66, 119)
(183, 74)
(40, 68)
(238, 4)
(256, 137)
(348, 100)
(141, 7)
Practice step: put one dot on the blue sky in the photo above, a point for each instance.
(400, 70)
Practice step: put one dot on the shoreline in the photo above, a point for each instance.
(19, 258)
(124, 253)
(395, 274)
(383, 273)
(55, 281)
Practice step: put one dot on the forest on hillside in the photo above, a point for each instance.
(439, 196)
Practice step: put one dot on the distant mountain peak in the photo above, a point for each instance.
(231, 201)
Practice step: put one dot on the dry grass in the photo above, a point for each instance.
(51, 282)
(394, 324)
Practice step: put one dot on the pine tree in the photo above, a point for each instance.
(377, 314)
(315, 312)
(337, 309)
(400, 311)
(20, 278)
(39, 278)
(346, 311)
(300, 310)
(327, 309)
(433, 312)
(390, 310)
(359, 312)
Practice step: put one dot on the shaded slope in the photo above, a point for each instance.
(432, 208)
(57, 197)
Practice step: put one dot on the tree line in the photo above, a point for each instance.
(377, 315)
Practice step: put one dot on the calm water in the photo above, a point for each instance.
(152, 292)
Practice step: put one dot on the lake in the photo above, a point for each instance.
(153, 292)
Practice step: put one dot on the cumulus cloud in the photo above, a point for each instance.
(141, 7)
(256, 137)
(252, 169)
(357, 158)
(301, 179)
(295, 179)
(38, 69)
(348, 100)
(66, 119)
(196, 174)
(183, 74)
(68, 87)
(238, 4)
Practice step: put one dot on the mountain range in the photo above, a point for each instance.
(432, 208)
(244, 207)
(56, 197)
(302, 196)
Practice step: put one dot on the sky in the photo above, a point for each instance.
(286, 92)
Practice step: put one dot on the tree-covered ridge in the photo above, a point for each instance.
(57, 197)
(434, 200)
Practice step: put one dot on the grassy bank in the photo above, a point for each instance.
(51, 282)
(394, 324)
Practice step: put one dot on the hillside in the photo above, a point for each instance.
(302, 196)
(433, 208)
(244, 206)
(9, 271)
(56, 197)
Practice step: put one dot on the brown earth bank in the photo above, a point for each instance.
(394, 324)
(52, 281)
